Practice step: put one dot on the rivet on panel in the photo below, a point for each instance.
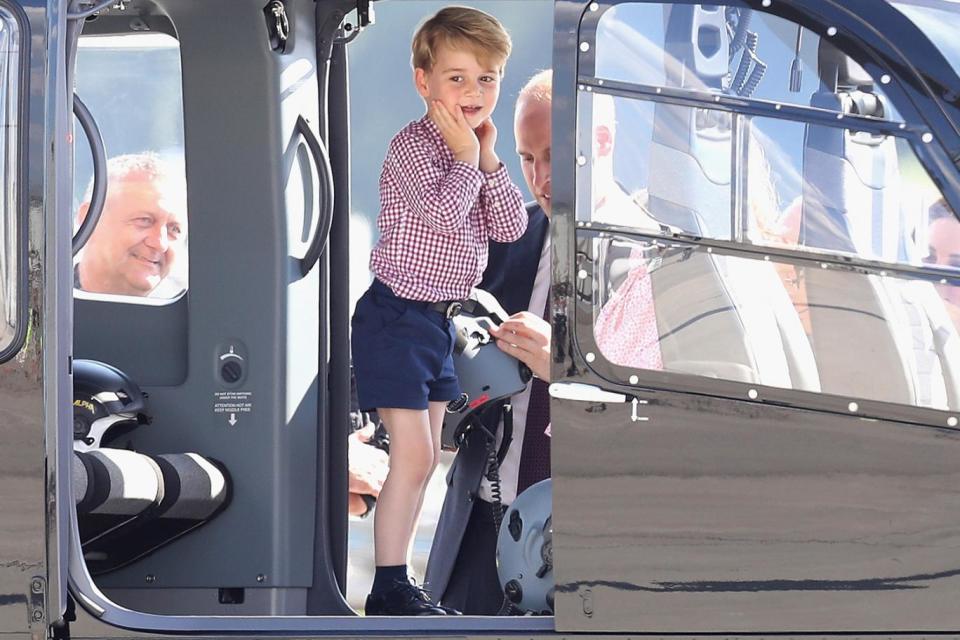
(590, 357)
(582, 274)
(927, 137)
(581, 160)
(594, 6)
(753, 394)
(885, 79)
(584, 46)
(952, 421)
(853, 407)
(832, 31)
(635, 380)
(767, 3)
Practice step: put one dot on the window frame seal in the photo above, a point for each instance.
(21, 201)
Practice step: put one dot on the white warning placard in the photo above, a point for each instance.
(232, 405)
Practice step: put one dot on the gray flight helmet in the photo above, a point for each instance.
(525, 550)
(485, 372)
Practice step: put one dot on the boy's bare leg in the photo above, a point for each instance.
(436, 412)
(411, 463)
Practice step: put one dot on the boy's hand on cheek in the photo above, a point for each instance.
(456, 133)
(487, 135)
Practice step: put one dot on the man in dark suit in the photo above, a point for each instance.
(461, 572)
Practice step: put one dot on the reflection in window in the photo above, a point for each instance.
(132, 85)
(760, 321)
(9, 223)
(667, 167)
(737, 51)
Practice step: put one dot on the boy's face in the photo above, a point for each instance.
(458, 78)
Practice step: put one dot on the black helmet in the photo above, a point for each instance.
(485, 372)
(104, 399)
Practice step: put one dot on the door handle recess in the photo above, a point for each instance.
(99, 196)
(325, 172)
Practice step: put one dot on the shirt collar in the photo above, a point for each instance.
(431, 127)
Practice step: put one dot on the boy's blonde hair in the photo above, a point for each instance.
(459, 28)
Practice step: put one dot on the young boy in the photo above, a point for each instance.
(443, 195)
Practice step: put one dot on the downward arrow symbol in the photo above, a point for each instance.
(233, 419)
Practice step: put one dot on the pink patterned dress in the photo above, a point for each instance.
(626, 327)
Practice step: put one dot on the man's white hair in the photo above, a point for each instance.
(167, 173)
(538, 88)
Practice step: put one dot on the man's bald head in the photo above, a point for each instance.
(532, 131)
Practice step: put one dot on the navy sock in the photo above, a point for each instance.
(384, 577)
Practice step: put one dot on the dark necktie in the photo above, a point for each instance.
(535, 455)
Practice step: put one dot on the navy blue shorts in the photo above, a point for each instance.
(402, 352)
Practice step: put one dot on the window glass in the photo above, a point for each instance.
(132, 86)
(732, 50)
(759, 180)
(10, 277)
(676, 307)
(939, 20)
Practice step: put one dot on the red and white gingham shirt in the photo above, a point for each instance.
(437, 216)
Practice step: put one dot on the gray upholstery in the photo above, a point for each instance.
(854, 337)
(700, 330)
(717, 316)
(865, 324)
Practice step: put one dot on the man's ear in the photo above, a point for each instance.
(420, 82)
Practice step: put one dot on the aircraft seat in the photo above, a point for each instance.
(865, 324)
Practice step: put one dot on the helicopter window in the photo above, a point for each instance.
(939, 20)
(733, 51)
(11, 284)
(792, 184)
(672, 306)
(132, 86)
(658, 168)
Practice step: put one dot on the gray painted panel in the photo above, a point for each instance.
(757, 518)
(106, 330)
(239, 262)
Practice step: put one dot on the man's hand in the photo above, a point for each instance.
(526, 337)
(368, 468)
(487, 135)
(456, 133)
